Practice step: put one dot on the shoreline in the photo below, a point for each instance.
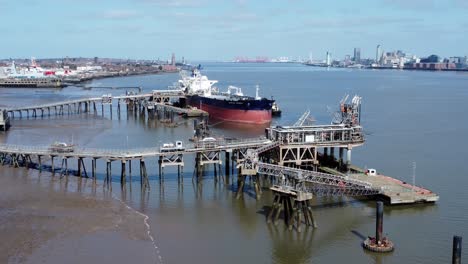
(55, 215)
(112, 75)
(390, 68)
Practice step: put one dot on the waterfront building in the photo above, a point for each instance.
(173, 59)
(431, 66)
(377, 55)
(328, 61)
(460, 62)
(347, 59)
(431, 59)
(357, 55)
(463, 63)
(394, 59)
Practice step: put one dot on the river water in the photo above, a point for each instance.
(408, 116)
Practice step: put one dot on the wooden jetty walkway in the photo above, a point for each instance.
(158, 99)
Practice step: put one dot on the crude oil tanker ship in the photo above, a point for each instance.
(231, 106)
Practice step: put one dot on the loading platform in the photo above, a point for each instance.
(392, 190)
(395, 191)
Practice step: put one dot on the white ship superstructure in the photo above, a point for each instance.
(196, 83)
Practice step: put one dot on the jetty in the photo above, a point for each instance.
(144, 103)
(288, 157)
(395, 191)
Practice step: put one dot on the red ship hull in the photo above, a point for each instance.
(237, 115)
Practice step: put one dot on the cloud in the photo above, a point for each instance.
(119, 14)
(195, 20)
(360, 22)
(461, 3)
(425, 5)
(241, 2)
(411, 4)
(177, 3)
(344, 25)
(79, 31)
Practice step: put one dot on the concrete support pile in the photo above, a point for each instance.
(294, 208)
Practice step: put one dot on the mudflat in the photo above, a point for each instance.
(53, 219)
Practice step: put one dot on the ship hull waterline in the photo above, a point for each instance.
(236, 114)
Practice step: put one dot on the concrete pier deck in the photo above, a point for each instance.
(396, 191)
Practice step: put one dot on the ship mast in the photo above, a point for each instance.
(256, 92)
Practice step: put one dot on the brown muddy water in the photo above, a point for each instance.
(407, 116)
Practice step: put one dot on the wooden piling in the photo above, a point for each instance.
(39, 162)
(143, 174)
(278, 210)
(108, 172)
(160, 166)
(456, 250)
(52, 164)
(84, 168)
(123, 173)
(215, 173)
(311, 215)
(79, 166)
(227, 169)
(65, 163)
(93, 168)
(130, 167)
(273, 208)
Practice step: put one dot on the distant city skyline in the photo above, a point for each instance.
(223, 30)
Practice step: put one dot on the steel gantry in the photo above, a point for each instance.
(316, 182)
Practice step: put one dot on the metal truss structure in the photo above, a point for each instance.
(321, 184)
(319, 136)
(302, 119)
(297, 155)
(209, 157)
(171, 160)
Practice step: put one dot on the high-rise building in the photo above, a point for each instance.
(173, 59)
(328, 58)
(377, 55)
(357, 55)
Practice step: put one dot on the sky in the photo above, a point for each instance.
(225, 29)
